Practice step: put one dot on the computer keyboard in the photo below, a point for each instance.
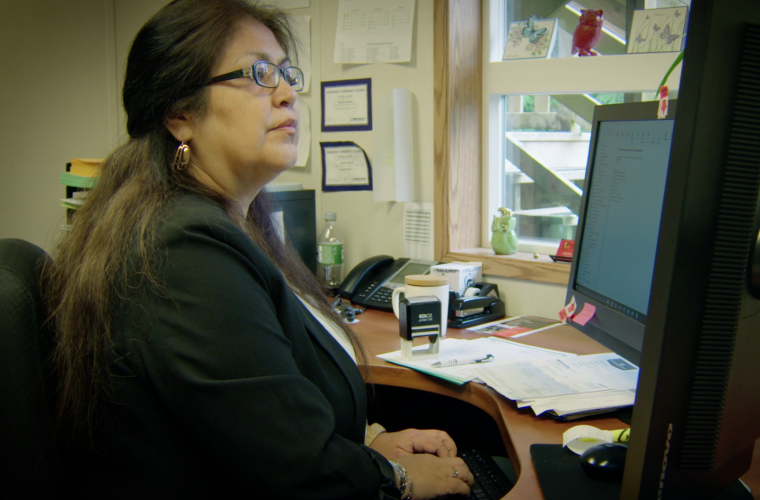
(491, 482)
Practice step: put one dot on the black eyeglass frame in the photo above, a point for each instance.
(250, 72)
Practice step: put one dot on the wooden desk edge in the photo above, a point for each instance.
(378, 332)
(478, 395)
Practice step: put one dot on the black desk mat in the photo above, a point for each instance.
(561, 477)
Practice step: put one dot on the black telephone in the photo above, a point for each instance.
(372, 281)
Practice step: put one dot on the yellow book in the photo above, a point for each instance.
(86, 167)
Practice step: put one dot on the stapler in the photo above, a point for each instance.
(480, 304)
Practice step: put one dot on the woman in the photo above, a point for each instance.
(196, 354)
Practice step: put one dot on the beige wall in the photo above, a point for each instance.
(55, 104)
(62, 68)
(65, 63)
(376, 228)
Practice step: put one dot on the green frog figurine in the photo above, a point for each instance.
(504, 238)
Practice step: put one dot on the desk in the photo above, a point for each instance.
(519, 429)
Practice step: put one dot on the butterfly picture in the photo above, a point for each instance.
(658, 30)
(533, 38)
(531, 32)
(667, 36)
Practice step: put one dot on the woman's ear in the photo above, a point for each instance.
(180, 125)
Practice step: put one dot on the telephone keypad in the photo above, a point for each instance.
(383, 295)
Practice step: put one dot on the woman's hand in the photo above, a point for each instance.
(393, 445)
(433, 476)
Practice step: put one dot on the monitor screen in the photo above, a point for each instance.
(619, 222)
(619, 238)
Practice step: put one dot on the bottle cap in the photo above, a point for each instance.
(330, 216)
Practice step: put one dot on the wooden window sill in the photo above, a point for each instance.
(519, 265)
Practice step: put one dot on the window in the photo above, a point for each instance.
(546, 139)
(537, 112)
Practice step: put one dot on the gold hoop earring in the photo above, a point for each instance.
(181, 158)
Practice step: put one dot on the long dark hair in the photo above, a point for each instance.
(170, 60)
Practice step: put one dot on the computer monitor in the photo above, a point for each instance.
(697, 410)
(619, 222)
(295, 213)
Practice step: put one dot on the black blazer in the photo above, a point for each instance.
(224, 384)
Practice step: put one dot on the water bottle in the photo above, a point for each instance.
(330, 254)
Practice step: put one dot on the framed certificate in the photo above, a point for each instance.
(345, 167)
(347, 105)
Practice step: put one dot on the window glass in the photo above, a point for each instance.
(612, 34)
(542, 139)
(546, 141)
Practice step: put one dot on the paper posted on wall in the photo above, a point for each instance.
(369, 32)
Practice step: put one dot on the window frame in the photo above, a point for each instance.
(465, 80)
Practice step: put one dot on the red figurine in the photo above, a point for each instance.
(588, 32)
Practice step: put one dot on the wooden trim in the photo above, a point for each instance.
(441, 127)
(458, 89)
(520, 265)
(458, 69)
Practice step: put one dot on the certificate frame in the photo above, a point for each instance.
(332, 123)
(344, 187)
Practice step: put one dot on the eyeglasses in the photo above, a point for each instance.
(266, 74)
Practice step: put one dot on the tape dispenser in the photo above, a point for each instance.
(479, 304)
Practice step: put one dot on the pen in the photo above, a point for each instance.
(462, 361)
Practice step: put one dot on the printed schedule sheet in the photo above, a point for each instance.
(368, 31)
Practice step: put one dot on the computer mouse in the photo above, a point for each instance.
(604, 461)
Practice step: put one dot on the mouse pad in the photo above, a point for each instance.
(561, 477)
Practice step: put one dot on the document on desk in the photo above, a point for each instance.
(594, 376)
(503, 352)
(578, 403)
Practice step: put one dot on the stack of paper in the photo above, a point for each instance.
(502, 352)
(565, 387)
(82, 174)
(76, 200)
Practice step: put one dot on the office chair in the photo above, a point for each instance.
(29, 461)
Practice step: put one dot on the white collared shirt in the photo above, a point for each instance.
(338, 334)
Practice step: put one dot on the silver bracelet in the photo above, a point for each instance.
(403, 481)
(411, 488)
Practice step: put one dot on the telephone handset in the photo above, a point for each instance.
(372, 281)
